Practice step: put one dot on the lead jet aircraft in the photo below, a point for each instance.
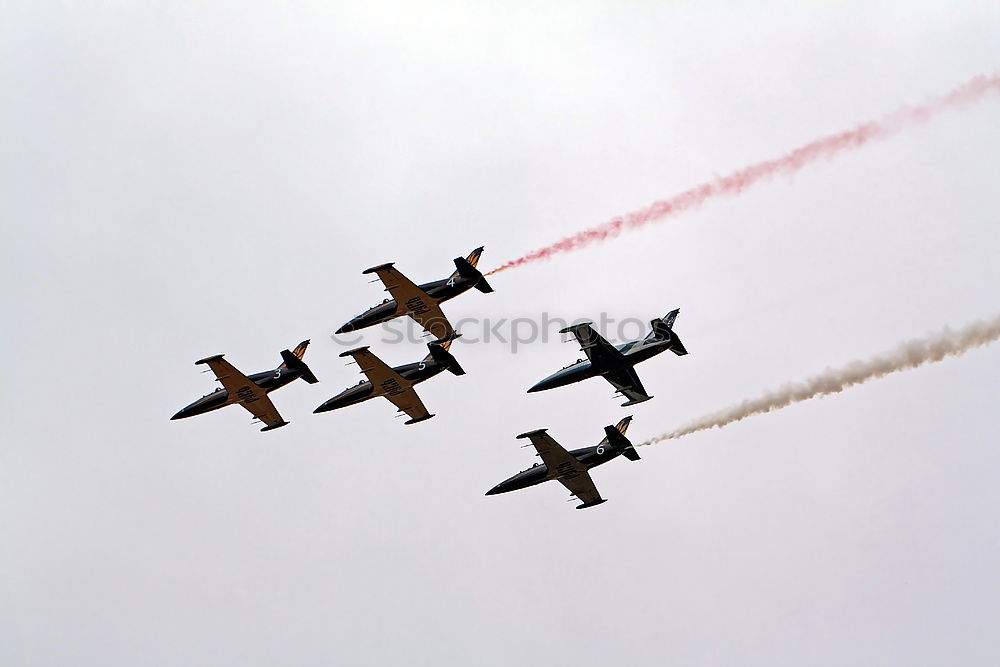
(616, 363)
(571, 468)
(396, 384)
(421, 302)
(251, 391)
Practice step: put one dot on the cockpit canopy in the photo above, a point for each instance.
(378, 305)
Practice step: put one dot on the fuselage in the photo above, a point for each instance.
(415, 373)
(634, 352)
(266, 380)
(538, 473)
(439, 290)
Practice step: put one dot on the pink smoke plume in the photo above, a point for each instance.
(733, 184)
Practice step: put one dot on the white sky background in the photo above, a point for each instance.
(184, 181)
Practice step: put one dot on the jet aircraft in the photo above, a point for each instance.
(396, 384)
(422, 303)
(616, 363)
(251, 391)
(571, 468)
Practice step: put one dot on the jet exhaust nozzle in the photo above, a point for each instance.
(296, 364)
(618, 441)
(663, 330)
(472, 274)
(444, 357)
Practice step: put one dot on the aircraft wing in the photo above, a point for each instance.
(390, 384)
(628, 383)
(583, 488)
(414, 302)
(568, 470)
(593, 344)
(411, 404)
(246, 393)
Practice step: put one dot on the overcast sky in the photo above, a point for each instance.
(180, 181)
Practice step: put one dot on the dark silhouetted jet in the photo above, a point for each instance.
(396, 384)
(615, 363)
(421, 302)
(571, 468)
(251, 391)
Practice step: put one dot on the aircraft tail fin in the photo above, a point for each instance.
(292, 360)
(300, 349)
(622, 426)
(466, 268)
(617, 440)
(474, 256)
(662, 329)
(439, 352)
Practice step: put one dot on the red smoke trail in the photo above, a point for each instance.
(972, 91)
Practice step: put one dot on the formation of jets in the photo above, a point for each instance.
(396, 384)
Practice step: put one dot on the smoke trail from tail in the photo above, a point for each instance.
(910, 354)
(733, 184)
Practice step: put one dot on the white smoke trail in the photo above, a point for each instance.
(910, 354)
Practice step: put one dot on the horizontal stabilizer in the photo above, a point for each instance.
(618, 442)
(677, 347)
(631, 454)
(292, 362)
(445, 358)
(466, 270)
(663, 330)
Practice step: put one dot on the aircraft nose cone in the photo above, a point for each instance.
(344, 329)
(181, 414)
(338, 401)
(541, 386)
(502, 487)
(326, 406)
